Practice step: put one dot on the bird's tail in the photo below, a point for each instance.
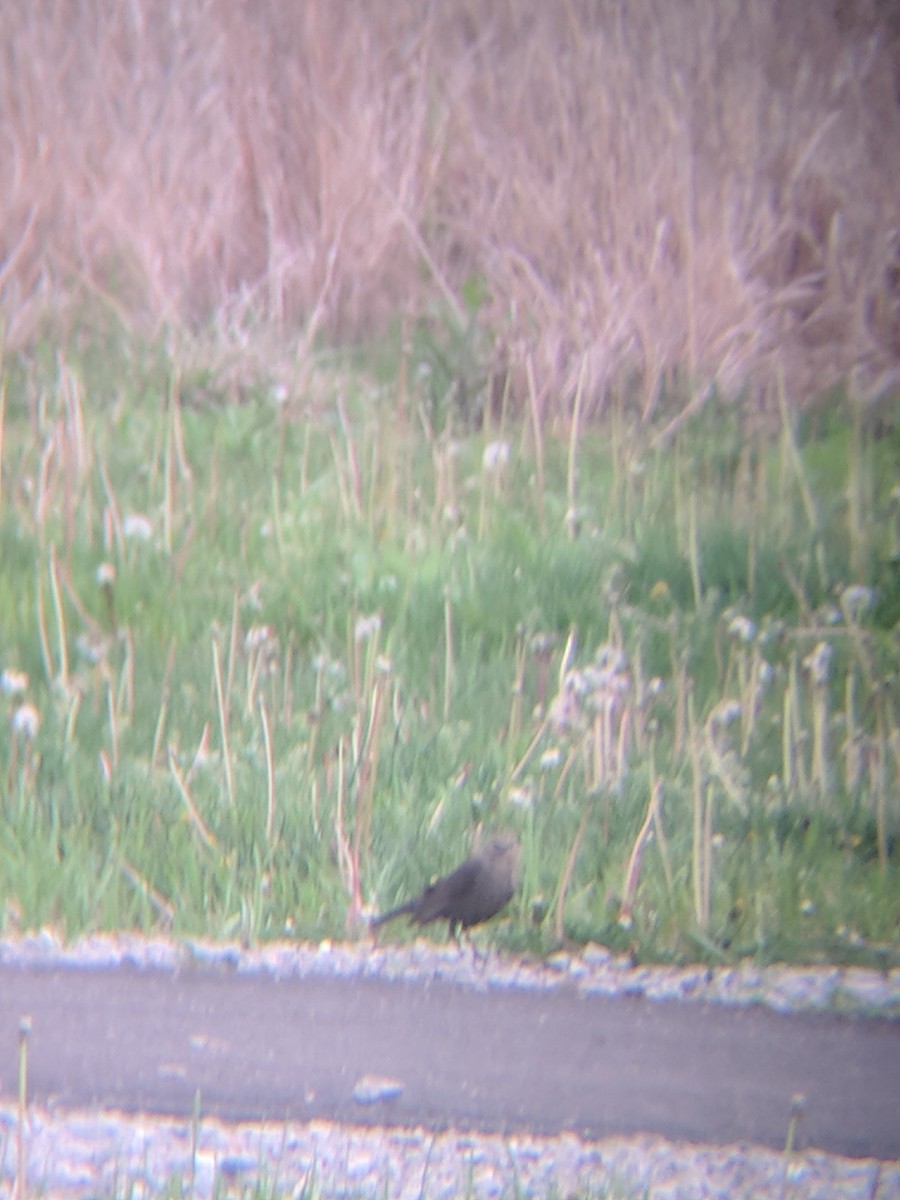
(401, 910)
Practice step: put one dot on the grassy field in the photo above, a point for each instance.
(270, 662)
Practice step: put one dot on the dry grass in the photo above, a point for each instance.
(657, 193)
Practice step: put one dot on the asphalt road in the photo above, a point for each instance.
(257, 1048)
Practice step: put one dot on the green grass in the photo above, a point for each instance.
(342, 646)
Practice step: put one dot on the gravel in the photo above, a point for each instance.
(102, 1153)
(83, 1154)
(593, 970)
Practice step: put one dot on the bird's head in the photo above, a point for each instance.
(503, 849)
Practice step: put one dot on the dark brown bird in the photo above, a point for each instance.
(474, 892)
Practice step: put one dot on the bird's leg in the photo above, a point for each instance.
(461, 937)
(464, 941)
(479, 957)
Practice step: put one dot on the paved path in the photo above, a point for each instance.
(255, 1047)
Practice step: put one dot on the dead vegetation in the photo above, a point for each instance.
(663, 194)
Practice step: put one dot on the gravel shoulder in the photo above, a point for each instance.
(91, 1153)
(594, 971)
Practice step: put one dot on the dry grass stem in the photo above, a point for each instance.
(223, 707)
(157, 901)
(270, 771)
(193, 812)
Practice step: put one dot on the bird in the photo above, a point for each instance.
(476, 891)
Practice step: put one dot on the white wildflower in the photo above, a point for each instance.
(106, 574)
(551, 758)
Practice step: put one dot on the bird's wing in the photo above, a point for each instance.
(444, 893)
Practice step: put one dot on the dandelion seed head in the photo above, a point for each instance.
(726, 712)
(818, 663)
(520, 797)
(496, 456)
(366, 627)
(574, 518)
(137, 527)
(92, 649)
(252, 598)
(26, 721)
(259, 636)
(857, 599)
(742, 628)
(13, 683)
(542, 643)
(610, 658)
